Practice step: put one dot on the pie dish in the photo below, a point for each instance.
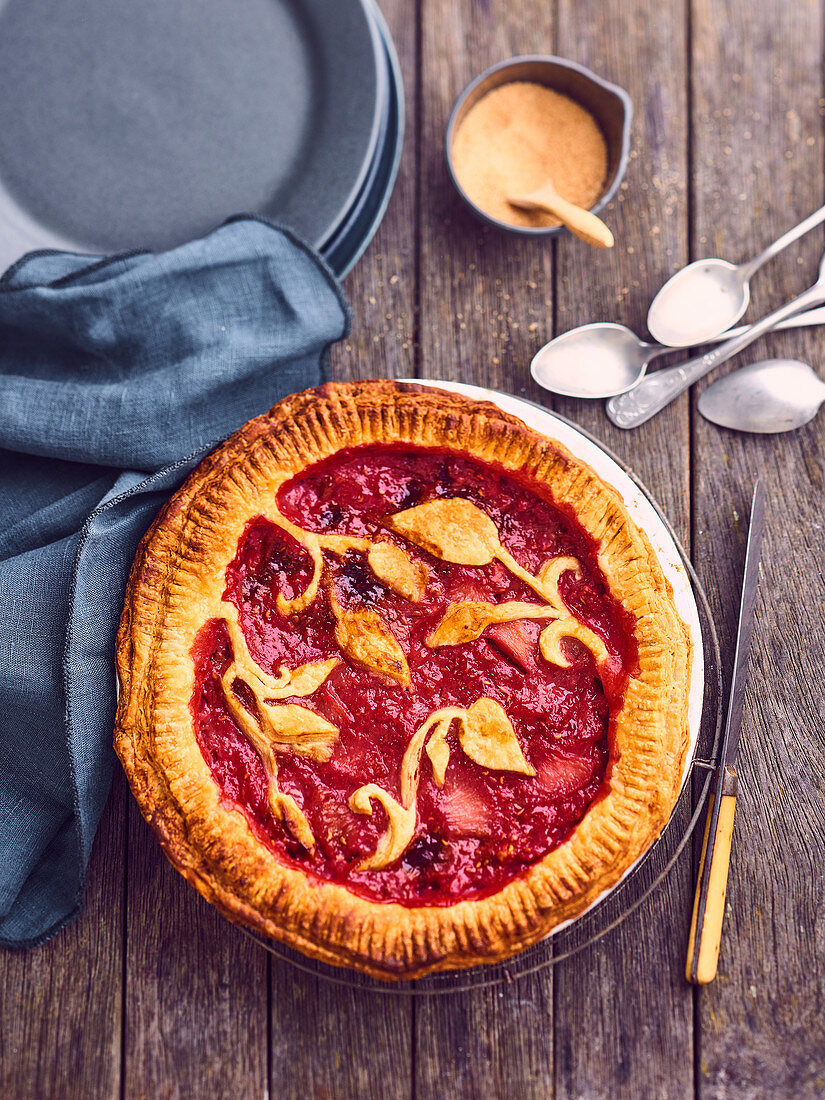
(402, 684)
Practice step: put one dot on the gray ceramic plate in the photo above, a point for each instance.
(146, 124)
(348, 244)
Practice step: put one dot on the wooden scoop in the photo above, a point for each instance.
(585, 225)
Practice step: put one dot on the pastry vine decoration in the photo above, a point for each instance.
(458, 531)
(485, 734)
(390, 564)
(454, 530)
(362, 636)
(278, 728)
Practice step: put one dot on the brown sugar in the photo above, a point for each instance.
(517, 137)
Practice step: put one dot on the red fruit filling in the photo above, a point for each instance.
(483, 827)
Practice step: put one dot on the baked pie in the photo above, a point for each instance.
(402, 685)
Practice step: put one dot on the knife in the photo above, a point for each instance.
(711, 887)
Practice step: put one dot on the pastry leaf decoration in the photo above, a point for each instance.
(438, 750)
(305, 679)
(299, 729)
(487, 737)
(290, 814)
(452, 529)
(397, 570)
(363, 637)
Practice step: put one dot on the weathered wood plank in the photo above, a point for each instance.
(758, 159)
(336, 1043)
(196, 988)
(627, 1029)
(60, 1031)
(326, 1040)
(641, 47)
(484, 295)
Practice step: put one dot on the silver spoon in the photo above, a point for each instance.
(708, 296)
(604, 360)
(653, 393)
(776, 395)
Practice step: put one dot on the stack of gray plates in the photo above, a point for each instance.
(145, 125)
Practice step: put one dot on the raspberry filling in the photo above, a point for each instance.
(481, 826)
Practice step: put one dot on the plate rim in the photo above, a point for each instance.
(30, 233)
(396, 125)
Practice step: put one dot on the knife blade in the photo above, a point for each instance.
(750, 584)
(711, 887)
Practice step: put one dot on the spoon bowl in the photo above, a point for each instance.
(597, 360)
(699, 302)
(774, 395)
(605, 360)
(705, 298)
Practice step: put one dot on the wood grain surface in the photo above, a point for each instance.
(150, 994)
(758, 151)
(649, 220)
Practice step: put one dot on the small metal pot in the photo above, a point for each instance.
(609, 104)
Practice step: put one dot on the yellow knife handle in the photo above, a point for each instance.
(710, 934)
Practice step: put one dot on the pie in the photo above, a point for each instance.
(402, 684)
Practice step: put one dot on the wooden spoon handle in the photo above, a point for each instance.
(585, 225)
(710, 934)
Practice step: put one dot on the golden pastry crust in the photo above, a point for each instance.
(176, 585)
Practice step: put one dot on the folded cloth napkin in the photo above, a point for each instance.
(116, 376)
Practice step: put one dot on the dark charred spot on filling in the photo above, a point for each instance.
(329, 516)
(423, 852)
(415, 493)
(356, 582)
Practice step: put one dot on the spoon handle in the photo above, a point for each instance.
(585, 225)
(809, 318)
(657, 390)
(809, 223)
(582, 223)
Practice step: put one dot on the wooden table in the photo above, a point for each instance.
(152, 994)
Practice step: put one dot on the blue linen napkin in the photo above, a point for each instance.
(116, 376)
